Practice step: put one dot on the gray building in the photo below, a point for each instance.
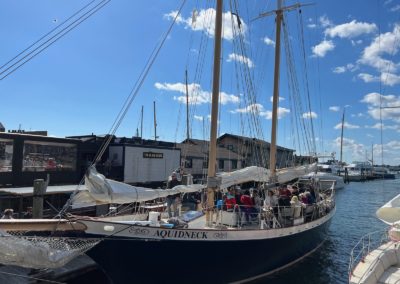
(256, 151)
(194, 155)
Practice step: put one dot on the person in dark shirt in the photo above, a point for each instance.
(173, 199)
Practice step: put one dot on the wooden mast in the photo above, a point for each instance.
(272, 153)
(212, 153)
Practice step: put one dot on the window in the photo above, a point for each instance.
(205, 164)
(230, 147)
(234, 164)
(188, 163)
(6, 155)
(220, 164)
(48, 156)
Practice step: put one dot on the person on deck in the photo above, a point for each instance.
(248, 205)
(230, 200)
(8, 214)
(173, 199)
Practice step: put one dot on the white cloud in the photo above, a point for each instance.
(390, 79)
(346, 125)
(339, 69)
(324, 21)
(204, 20)
(271, 99)
(394, 145)
(351, 30)
(349, 145)
(383, 107)
(198, 117)
(282, 112)
(241, 59)
(356, 42)
(334, 108)
(312, 26)
(260, 110)
(308, 115)
(269, 41)
(368, 78)
(322, 48)
(196, 94)
(383, 126)
(395, 8)
(384, 44)
(253, 108)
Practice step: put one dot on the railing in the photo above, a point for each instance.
(273, 217)
(364, 246)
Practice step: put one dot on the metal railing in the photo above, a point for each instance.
(364, 246)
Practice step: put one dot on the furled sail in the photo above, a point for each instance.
(260, 174)
(390, 212)
(101, 190)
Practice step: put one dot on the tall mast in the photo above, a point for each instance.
(155, 121)
(272, 153)
(212, 153)
(187, 106)
(341, 139)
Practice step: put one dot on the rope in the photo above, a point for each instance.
(51, 40)
(30, 277)
(129, 100)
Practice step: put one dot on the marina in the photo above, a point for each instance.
(248, 196)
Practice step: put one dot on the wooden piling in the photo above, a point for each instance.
(39, 189)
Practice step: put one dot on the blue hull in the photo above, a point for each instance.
(170, 261)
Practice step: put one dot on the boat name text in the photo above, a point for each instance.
(180, 234)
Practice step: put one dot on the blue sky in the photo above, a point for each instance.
(348, 53)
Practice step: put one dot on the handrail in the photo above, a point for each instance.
(364, 246)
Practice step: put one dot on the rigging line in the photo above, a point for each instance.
(63, 32)
(141, 80)
(306, 79)
(126, 106)
(30, 277)
(58, 26)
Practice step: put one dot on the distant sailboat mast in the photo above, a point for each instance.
(341, 140)
(212, 153)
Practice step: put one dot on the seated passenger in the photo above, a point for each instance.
(230, 201)
(296, 205)
(270, 201)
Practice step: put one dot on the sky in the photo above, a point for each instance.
(75, 74)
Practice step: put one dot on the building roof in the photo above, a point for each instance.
(245, 139)
(51, 189)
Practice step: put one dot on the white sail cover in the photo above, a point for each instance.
(390, 212)
(259, 174)
(101, 190)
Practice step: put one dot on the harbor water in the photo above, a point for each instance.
(355, 217)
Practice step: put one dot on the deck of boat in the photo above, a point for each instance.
(381, 265)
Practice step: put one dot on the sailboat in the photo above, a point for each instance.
(230, 249)
(222, 245)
